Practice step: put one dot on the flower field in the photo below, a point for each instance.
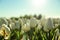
(30, 28)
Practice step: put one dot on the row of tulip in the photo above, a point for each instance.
(29, 29)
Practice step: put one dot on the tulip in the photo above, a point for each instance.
(5, 31)
(48, 24)
(9, 21)
(56, 25)
(21, 22)
(3, 21)
(26, 27)
(33, 22)
(1, 33)
(38, 27)
(17, 25)
(12, 26)
(42, 21)
(57, 32)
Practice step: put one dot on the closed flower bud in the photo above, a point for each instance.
(12, 26)
(43, 20)
(17, 25)
(3, 21)
(21, 22)
(26, 27)
(48, 24)
(33, 22)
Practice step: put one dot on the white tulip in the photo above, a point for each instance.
(21, 21)
(12, 26)
(3, 21)
(56, 25)
(43, 23)
(5, 31)
(48, 24)
(26, 27)
(1, 33)
(57, 32)
(9, 21)
(33, 22)
(17, 25)
(43, 20)
(39, 27)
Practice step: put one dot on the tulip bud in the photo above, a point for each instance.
(26, 27)
(3, 21)
(33, 22)
(48, 24)
(17, 25)
(21, 22)
(43, 20)
(12, 26)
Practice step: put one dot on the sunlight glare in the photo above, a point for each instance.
(38, 3)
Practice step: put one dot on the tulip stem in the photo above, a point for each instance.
(19, 35)
(49, 35)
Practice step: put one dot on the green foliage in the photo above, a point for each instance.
(33, 33)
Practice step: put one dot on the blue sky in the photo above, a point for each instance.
(9, 8)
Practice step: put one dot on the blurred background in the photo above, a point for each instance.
(16, 8)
